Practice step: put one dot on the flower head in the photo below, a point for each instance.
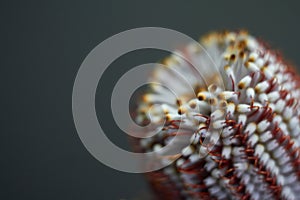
(243, 135)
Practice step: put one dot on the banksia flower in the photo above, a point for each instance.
(237, 142)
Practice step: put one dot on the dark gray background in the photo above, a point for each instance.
(42, 46)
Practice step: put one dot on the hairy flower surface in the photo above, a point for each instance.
(240, 141)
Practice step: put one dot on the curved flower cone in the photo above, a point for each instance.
(243, 139)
